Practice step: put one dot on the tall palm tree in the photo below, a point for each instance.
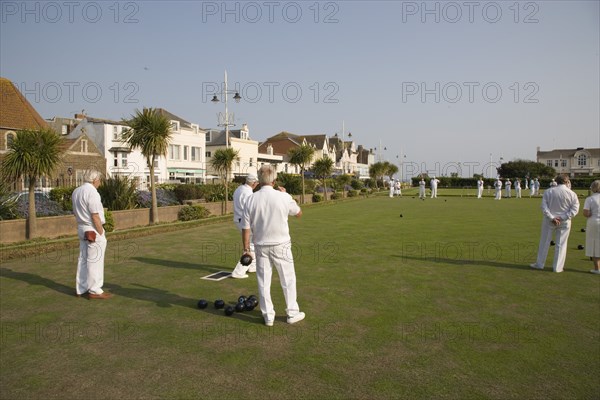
(376, 170)
(301, 156)
(149, 131)
(390, 169)
(222, 162)
(322, 168)
(32, 154)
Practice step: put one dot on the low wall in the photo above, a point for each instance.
(14, 230)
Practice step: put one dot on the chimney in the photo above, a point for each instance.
(79, 116)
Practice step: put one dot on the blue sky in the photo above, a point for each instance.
(439, 82)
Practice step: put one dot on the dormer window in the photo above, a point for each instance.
(175, 126)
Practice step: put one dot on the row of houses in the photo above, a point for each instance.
(91, 142)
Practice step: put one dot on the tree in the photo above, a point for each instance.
(344, 180)
(149, 131)
(301, 156)
(525, 168)
(222, 162)
(322, 168)
(390, 169)
(377, 170)
(32, 155)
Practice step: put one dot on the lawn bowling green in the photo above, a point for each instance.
(438, 304)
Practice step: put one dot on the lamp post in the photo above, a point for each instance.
(226, 119)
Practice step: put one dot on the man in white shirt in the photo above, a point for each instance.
(507, 187)
(518, 188)
(559, 205)
(479, 188)
(240, 196)
(498, 187)
(434, 184)
(266, 215)
(89, 214)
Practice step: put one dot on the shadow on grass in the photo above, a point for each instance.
(478, 263)
(178, 264)
(164, 298)
(34, 279)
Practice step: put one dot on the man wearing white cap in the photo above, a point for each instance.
(422, 188)
(508, 186)
(559, 206)
(240, 197)
(479, 187)
(518, 188)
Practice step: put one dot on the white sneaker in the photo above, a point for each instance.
(239, 276)
(535, 266)
(296, 318)
(269, 323)
(252, 269)
(595, 271)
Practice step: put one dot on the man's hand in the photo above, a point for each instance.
(556, 221)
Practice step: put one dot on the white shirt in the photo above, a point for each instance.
(498, 184)
(422, 184)
(560, 202)
(480, 183)
(240, 196)
(266, 215)
(434, 182)
(592, 204)
(86, 201)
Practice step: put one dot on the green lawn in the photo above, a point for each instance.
(438, 303)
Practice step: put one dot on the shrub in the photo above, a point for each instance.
(353, 193)
(335, 196)
(163, 198)
(118, 192)
(187, 191)
(291, 183)
(62, 195)
(216, 192)
(43, 208)
(193, 212)
(316, 198)
(109, 225)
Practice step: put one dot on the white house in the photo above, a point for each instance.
(575, 162)
(239, 140)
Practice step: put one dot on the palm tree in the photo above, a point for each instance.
(322, 168)
(222, 162)
(301, 156)
(150, 131)
(32, 154)
(344, 180)
(376, 170)
(390, 169)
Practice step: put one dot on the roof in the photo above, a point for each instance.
(567, 153)
(15, 110)
(173, 117)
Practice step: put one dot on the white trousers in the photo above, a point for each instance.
(281, 257)
(421, 193)
(518, 193)
(507, 192)
(560, 247)
(498, 194)
(90, 264)
(434, 192)
(479, 192)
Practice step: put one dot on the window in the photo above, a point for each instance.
(64, 129)
(10, 137)
(208, 154)
(556, 163)
(185, 152)
(563, 163)
(84, 146)
(115, 133)
(549, 163)
(175, 126)
(196, 151)
(124, 160)
(582, 160)
(208, 136)
(174, 152)
(250, 161)
(116, 159)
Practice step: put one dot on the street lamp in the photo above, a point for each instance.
(226, 119)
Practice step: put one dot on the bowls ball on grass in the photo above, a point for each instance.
(202, 304)
(239, 307)
(219, 304)
(229, 311)
(242, 299)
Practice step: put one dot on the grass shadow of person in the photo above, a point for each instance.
(178, 264)
(34, 279)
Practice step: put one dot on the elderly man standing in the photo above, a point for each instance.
(266, 215)
(434, 184)
(479, 187)
(240, 196)
(422, 188)
(559, 205)
(89, 214)
(498, 187)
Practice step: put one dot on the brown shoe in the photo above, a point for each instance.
(101, 296)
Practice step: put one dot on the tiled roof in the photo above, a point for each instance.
(566, 153)
(15, 111)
